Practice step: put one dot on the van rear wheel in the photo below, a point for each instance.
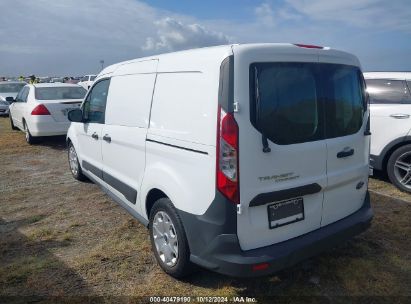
(399, 168)
(168, 239)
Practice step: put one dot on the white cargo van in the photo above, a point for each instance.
(243, 159)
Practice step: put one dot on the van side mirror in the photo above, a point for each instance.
(75, 115)
(10, 99)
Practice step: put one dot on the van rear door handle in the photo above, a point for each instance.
(345, 153)
(95, 136)
(107, 138)
(400, 116)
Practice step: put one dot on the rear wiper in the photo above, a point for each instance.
(266, 147)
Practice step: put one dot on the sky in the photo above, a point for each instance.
(70, 37)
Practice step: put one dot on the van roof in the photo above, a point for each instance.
(222, 51)
(389, 75)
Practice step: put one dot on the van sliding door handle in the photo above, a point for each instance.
(345, 153)
(94, 135)
(107, 138)
(400, 116)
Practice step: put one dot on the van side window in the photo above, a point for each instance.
(94, 106)
(388, 91)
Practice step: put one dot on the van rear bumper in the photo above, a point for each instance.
(224, 255)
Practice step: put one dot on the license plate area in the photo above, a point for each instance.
(285, 212)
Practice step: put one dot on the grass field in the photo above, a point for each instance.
(60, 237)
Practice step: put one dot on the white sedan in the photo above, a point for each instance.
(87, 81)
(41, 109)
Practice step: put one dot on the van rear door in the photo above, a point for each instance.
(346, 111)
(281, 193)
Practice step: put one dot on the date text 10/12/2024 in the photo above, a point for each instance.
(204, 299)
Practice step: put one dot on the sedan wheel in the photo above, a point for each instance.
(29, 138)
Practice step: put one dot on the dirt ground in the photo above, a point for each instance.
(61, 237)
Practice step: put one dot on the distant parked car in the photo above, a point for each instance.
(87, 81)
(71, 80)
(390, 99)
(8, 91)
(57, 79)
(44, 79)
(41, 109)
(4, 108)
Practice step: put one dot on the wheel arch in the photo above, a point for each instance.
(160, 180)
(390, 148)
(153, 195)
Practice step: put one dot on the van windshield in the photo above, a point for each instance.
(300, 102)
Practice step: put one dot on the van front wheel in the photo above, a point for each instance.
(168, 239)
(74, 164)
(399, 168)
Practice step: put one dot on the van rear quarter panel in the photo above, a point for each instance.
(184, 118)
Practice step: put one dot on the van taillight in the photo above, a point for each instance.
(227, 156)
(40, 110)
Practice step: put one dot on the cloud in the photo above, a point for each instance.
(265, 14)
(176, 35)
(72, 36)
(268, 16)
(381, 14)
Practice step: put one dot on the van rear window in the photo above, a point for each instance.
(300, 102)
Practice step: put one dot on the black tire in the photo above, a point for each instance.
(398, 166)
(13, 127)
(29, 138)
(183, 266)
(76, 172)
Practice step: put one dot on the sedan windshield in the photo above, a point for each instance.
(55, 93)
(11, 87)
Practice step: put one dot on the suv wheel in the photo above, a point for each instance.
(29, 138)
(399, 168)
(74, 164)
(168, 239)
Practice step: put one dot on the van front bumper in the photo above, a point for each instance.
(224, 255)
